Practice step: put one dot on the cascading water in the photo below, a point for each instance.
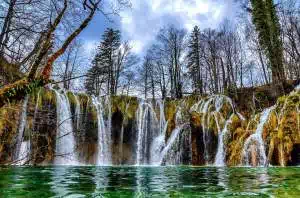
(221, 151)
(178, 117)
(65, 140)
(212, 107)
(104, 131)
(147, 131)
(170, 143)
(24, 154)
(157, 147)
(19, 153)
(141, 124)
(162, 119)
(77, 111)
(256, 138)
(122, 139)
(174, 151)
(146, 138)
(159, 141)
(180, 139)
(202, 107)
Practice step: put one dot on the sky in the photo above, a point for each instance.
(142, 21)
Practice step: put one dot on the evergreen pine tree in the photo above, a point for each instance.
(194, 60)
(267, 25)
(103, 69)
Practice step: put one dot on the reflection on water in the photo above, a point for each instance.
(139, 182)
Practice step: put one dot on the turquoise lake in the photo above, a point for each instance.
(176, 181)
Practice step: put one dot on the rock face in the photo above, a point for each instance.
(211, 130)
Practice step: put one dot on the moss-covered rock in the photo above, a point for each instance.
(281, 133)
(9, 116)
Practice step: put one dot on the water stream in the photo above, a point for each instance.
(221, 150)
(255, 143)
(65, 153)
(212, 107)
(19, 151)
(104, 131)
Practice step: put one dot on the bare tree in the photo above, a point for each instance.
(18, 89)
(72, 62)
(170, 41)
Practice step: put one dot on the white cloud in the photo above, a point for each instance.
(141, 23)
(89, 47)
(137, 46)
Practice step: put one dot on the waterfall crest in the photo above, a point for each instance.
(255, 143)
(127, 130)
(147, 131)
(212, 107)
(65, 141)
(104, 130)
(159, 141)
(175, 149)
(221, 151)
(77, 111)
(22, 149)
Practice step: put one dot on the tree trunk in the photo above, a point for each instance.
(6, 25)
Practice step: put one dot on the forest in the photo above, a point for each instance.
(259, 46)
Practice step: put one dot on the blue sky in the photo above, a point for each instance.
(141, 23)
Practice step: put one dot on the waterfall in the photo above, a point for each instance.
(147, 128)
(208, 108)
(21, 128)
(162, 119)
(257, 138)
(65, 140)
(159, 141)
(24, 154)
(170, 143)
(158, 145)
(37, 104)
(178, 117)
(77, 111)
(104, 131)
(203, 107)
(142, 128)
(221, 151)
(173, 152)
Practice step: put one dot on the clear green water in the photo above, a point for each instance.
(148, 182)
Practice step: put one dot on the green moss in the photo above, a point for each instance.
(9, 115)
(49, 97)
(236, 123)
(42, 96)
(45, 96)
(72, 99)
(170, 112)
(240, 131)
(170, 109)
(125, 104)
(191, 100)
(92, 111)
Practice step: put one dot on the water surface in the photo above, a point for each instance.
(177, 181)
